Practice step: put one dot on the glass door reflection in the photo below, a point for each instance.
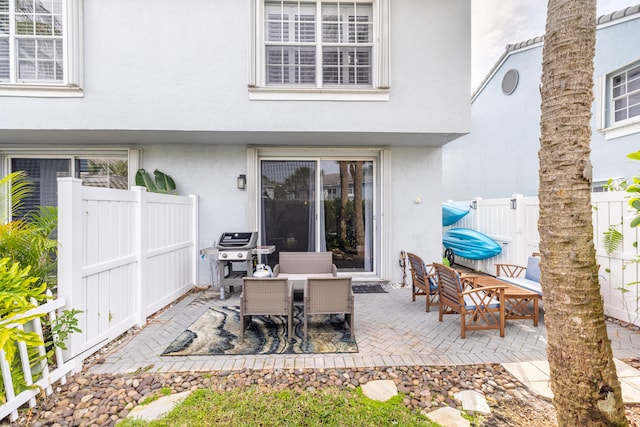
(298, 217)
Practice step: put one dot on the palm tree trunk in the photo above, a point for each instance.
(344, 200)
(358, 175)
(583, 376)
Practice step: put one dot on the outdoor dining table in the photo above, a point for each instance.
(299, 282)
(516, 299)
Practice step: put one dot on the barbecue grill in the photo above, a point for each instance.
(236, 258)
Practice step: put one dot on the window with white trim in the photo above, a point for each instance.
(316, 44)
(625, 95)
(336, 51)
(39, 46)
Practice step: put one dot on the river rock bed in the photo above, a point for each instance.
(102, 400)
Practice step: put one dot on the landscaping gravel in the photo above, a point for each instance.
(102, 400)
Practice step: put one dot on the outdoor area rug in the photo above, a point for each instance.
(217, 331)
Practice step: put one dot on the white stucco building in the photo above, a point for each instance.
(278, 91)
(500, 155)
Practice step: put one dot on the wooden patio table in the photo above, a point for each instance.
(516, 299)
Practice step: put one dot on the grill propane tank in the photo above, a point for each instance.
(263, 270)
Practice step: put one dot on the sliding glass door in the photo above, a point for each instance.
(347, 199)
(288, 198)
(320, 205)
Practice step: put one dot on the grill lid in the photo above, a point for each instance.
(238, 240)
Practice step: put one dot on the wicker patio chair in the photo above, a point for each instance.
(329, 296)
(265, 296)
(423, 280)
(305, 263)
(479, 308)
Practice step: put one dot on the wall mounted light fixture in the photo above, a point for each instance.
(514, 204)
(474, 204)
(242, 182)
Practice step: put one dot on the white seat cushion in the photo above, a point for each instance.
(527, 284)
(471, 301)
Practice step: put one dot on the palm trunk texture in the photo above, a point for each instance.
(344, 200)
(586, 388)
(358, 176)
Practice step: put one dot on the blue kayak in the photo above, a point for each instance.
(452, 214)
(470, 244)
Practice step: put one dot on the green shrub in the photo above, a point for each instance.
(19, 293)
(26, 237)
(27, 268)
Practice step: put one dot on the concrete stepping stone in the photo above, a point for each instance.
(158, 408)
(473, 401)
(381, 390)
(535, 376)
(448, 417)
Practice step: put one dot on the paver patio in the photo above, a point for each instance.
(390, 329)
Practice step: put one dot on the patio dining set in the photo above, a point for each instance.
(310, 279)
(482, 301)
(306, 278)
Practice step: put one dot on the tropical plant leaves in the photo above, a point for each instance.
(27, 237)
(634, 156)
(162, 183)
(17, 288)
(612, 239)
(143, 179)
(14, 188)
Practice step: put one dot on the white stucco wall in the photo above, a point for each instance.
(162, 75)
(210, 172)
(167, 65)
(416, 227)
(500, 155)
(612, 53)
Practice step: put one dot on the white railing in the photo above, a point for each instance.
(44, 374)
(122, 256)
(513, 223)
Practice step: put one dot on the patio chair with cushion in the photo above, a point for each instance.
(479, 308)
(305, 263)
(266, 297)
(511, 273)
(423, 280)
(329, 296)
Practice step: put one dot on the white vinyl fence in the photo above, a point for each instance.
(122, 255)
(513, 223)
(39, 377)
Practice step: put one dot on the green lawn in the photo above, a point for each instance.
(256, 407)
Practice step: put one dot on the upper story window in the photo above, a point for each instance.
(318, 44)
(39, 47)
(625, 94)
(321, 47)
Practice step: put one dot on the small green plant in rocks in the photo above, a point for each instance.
(164, 391)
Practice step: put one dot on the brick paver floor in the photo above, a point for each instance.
(390, 329)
